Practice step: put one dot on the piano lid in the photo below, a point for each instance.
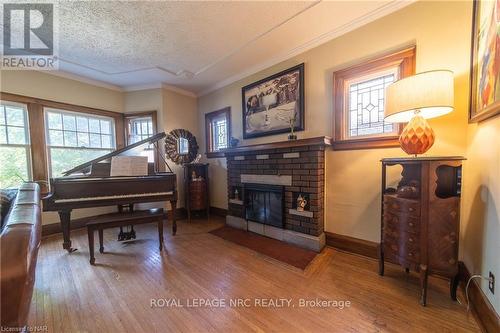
(151, 140)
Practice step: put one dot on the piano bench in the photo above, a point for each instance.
(114, 220)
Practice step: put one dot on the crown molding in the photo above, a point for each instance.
(324, 38)
(142, 87)
(82, 79)
(179, 90)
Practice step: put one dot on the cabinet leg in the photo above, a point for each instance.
(380, 261)
(453, 287)
(407, 270)
(423, 284)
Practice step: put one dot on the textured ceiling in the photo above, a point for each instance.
(192, 45)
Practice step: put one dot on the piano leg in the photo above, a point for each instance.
(65, 217)
(173, 203)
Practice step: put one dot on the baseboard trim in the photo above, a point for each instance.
(352, 245)
(218, 211)
(486, 316)
(55, 228)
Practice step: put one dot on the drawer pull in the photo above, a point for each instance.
(411, 209)
(410, 224)
(410, 240)
(410, 254)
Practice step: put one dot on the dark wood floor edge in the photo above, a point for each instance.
(218, 211)
(55, 228)
(486, 316)
(353, 245)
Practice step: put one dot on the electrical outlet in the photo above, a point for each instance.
(491, 284)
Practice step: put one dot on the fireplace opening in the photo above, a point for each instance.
(264, 204)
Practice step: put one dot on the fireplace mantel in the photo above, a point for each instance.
(318, 141)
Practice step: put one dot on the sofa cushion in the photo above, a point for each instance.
(7, 197)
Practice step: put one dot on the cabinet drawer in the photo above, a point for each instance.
(403, 251)
(401, 223)
(405, 206)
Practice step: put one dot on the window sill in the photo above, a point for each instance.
(215, 154)
(366, 143)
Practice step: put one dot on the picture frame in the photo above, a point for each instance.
(270, 105)
(485, 61)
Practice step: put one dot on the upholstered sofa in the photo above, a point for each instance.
(19, 242)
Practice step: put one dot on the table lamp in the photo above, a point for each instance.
(415, 99)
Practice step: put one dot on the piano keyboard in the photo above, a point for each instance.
(123, 196)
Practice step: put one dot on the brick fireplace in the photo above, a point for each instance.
(298, 168)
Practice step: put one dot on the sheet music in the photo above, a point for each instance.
(129, 166)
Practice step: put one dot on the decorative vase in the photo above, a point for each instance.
(292, 137)
(233, 142)
(417, 137)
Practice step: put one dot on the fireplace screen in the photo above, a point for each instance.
(264, 204)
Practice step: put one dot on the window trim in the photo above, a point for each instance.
(208, 131)
(404, 60)
(37, 134)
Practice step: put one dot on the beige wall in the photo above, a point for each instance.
(179, 111)
(56, 88)
(441, 32)
(480, 214)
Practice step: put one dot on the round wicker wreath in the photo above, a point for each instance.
(171, 146)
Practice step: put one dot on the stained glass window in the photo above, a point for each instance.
(366, 106)
(218, 131)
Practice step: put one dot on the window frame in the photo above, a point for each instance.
(128, 117)
(209, 117)
(27, 145)
(404, 61)
(49, 146)
(37, 133)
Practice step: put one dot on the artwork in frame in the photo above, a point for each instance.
(272, 104)
(485, 61)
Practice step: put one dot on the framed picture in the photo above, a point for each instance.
(271, 105)
(485, 61)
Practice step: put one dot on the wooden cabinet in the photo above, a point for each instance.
(420, 218)
(196, 189)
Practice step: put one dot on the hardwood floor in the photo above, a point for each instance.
(115, 295)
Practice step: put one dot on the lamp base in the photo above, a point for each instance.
(417, 136)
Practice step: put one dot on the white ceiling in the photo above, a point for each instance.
(197, 46)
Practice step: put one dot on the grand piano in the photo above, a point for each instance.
(90, 185)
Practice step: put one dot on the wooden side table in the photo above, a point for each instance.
(421, 216)
(196, 185)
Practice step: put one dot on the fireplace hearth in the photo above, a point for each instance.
(264, 204)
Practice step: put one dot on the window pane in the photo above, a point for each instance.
(106, 141)
(69, 123)
(16, 171)
(17, 135)
(94, 126)
(105, 127)
(55, 121)
(15, 116)
(144, 127)
(70, 139)
(3, 136)
(56, 138)
(2, 115)
(95, 140)
(366, 107)
(83, 140)
(82, 124)
(63, 159)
